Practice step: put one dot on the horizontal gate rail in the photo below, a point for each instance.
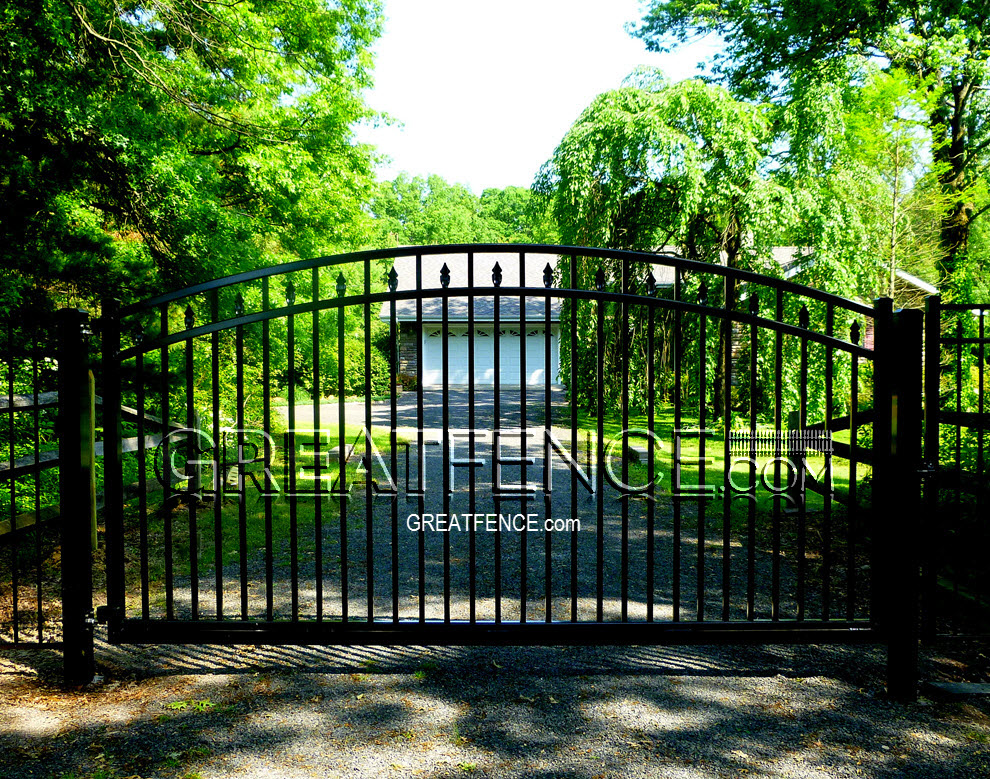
(482, 633)
(970, 419)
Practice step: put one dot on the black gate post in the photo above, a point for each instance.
(904, 492)
(933, 376)
(883, 518)
(113, 490)
(76, 461)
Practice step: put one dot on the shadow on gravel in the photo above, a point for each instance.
(515, 712)
(857, 664)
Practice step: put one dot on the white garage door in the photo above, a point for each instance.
(484, 356)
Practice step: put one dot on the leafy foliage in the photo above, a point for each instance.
(151, 145)
(654, 165)
(940, 46)
(416, 211)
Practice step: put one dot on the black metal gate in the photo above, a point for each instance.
(524, 444)
(956, 577)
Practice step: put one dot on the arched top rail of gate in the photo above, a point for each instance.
(281, 376)
(637, 278)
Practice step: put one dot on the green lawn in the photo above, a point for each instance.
(715, 462)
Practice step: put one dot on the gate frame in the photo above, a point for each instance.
(895, 570)
(77, 460)
(941, 478)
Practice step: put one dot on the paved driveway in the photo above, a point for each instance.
(458, 409)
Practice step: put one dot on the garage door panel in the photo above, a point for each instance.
(457, 344)
(457, 365)
(509, 346)
(432, 359)
(484, 357)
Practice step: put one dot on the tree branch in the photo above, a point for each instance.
(147, 73)
(979, 213)
(210, 152)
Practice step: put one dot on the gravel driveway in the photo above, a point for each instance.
(193, 712)
(795, 712)
(610, 556)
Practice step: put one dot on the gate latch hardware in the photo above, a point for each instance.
(105, 613)
(927, 470)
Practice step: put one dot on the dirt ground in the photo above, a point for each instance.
(191, 712)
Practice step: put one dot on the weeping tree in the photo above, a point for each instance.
(653, 165)
(940, 46)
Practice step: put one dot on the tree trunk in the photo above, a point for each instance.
(951, 157)
(733, 248)
(895, 198)
(955, 238)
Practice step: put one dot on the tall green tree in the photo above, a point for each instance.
(885, 136)
(412, 210)
(849, 152)
(652, 165)
(154, 144)
(941, 44)
(417, 211)
(518, 216)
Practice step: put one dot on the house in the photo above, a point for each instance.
(421, 341)
(910, 291)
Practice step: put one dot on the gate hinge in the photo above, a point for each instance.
(105, 613)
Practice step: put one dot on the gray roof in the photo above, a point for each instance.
(484, 301)
(791, 259)
(914, 281)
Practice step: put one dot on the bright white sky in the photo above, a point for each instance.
(485, 91)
